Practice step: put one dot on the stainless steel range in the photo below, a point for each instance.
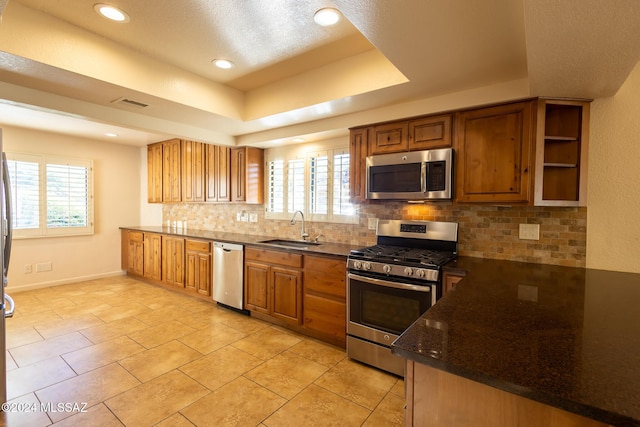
(391, 284)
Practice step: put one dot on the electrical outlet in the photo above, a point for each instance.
(27, 269)
(253, 217)
(373, 223)
(44, 266)
(529, 232)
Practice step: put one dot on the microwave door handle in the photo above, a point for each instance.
(373, 281)
(424, 169)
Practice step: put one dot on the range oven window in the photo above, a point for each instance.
(386, 308)
(403, 178)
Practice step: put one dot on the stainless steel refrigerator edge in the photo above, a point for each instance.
(5, 228)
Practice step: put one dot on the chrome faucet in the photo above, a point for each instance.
(304, 234)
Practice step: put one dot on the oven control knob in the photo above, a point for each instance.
(386, 268)
(408, 271)
(357, 265)
(366, 266)
(420, 273)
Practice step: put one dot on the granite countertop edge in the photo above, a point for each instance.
(325, 248)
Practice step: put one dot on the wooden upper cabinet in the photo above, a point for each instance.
(154, 173)
(171, 171)
(193, 171)
(218, 188)
(494, 150)
(247, 175)
(359, 140)
(430, 132)
(562, 137)
(389, 138)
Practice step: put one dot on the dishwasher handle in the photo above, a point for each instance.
(228, 247)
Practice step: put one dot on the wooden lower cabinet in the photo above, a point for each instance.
(152, 256)
(324, 303)
(173, 261)
(197, 274)
(273, 284)
(441, 399)
(449, 281)
(133, 252)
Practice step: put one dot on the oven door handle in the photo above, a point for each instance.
(389, 284)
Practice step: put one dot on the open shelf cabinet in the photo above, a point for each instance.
(561, 153)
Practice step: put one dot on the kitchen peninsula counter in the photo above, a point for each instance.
(567, 338)
(325, 248)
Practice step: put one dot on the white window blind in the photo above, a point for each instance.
(51, 196)
(314, 182)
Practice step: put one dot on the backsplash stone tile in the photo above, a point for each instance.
(484, 231)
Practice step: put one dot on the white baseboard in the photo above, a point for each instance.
(22, 288)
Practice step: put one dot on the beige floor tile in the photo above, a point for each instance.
(239, 403)
(159, 301)
(85, 307)
(207, 340)
(153, 401)
(44, 317)
(90, 388)
(357, 382)
(221, 367)
(65, 326)
(246, 324)
(115, 329)
(36, 376)
(324, 354)
(122, 311)
(162, 315)
(389, 413)
(11, 364)
(22, 336)
(159, 360)
(175, 420)
(267, 342)
(398, 388)
(41, 350)
(286, 374)
(40, 306)
(207, 319)
(315, 406)
(155, 335)
(95, 416)
(29, 414)
(102, 354)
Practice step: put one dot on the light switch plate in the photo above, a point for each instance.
(529, 232)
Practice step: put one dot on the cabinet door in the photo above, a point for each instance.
(154, 173)
(256, 284)
(135, 252)
(430, 132)
(218, 174)
(173, 261)
(389, 138)
(171, 165)
(238, 173)
(193, 170)
(197, 275)
(286, 290)
(152, 256)
(359, 140)
(493, 152)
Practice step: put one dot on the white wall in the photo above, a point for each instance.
(613, 205)
(117, 203)
(150, 213)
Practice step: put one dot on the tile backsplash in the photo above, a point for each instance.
(484, 231)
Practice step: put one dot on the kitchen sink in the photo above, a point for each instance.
(290, 243)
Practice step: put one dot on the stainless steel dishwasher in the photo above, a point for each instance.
(228, 287)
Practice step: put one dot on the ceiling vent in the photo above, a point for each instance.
(129, 102)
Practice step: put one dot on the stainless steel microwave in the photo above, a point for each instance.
(413, 175)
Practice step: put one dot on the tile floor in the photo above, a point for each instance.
(118, 351)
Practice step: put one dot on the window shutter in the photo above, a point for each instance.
(341, 198)
(319, 180)
(25, 182)
(67, 196)
(295, 180)
(275, 183)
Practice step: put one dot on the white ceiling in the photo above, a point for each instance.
(62, 66)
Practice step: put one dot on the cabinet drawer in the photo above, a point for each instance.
(198, 246)
(274, 257)
(135, 236)
(325, 315)
(325, 275)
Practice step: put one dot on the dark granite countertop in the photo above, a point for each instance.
(325, 248)
(566, 337)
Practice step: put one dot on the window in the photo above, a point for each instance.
(50, 196)
(314, 182)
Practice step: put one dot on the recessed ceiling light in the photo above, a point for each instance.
(225, 64)
(111, 134)
(111, 12)
(327, 16)
(297, 140)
